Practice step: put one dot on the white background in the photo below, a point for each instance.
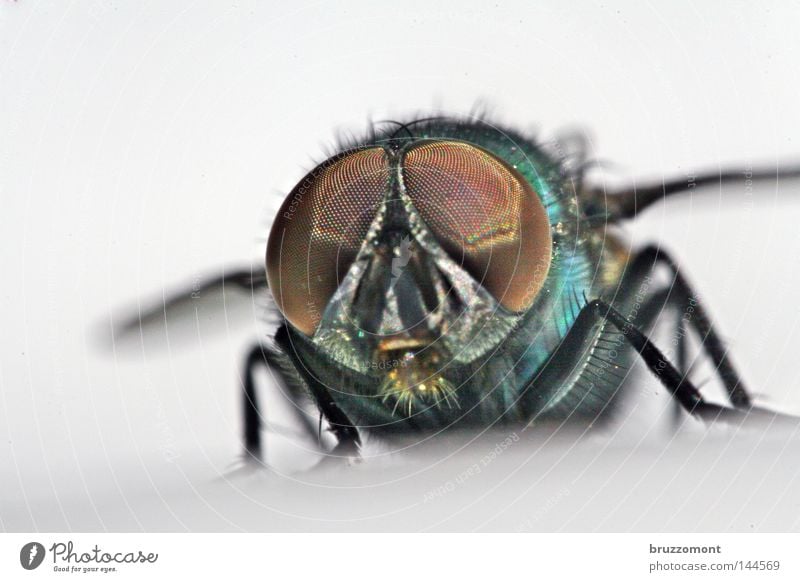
(146, 144)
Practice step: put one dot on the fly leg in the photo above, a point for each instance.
(250, 412)
(682, 356)
(678, 385)
(693, 314)
(343, 429)
(665, 300)
(263, 355)
(662, 301)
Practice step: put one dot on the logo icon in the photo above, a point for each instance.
(400, 260)
(31, 555)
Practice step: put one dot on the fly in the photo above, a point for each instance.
(448, 273)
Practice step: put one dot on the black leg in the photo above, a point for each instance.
(679, 386)
(682, 358)
(683, 390)
(262, 355)
(251, 414)
(652, 307)
(694, 315)
(341, 426)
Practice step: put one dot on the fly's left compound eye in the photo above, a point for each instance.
(319, 231)
(485, 214)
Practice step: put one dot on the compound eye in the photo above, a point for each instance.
(319, 231)
(485, 214)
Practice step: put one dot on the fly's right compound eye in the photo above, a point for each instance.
(485, 214)
(319, 231)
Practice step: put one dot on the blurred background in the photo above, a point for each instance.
(146, 146)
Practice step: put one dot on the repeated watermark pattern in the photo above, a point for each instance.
(473, 470)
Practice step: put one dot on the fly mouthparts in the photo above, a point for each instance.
(401, 343)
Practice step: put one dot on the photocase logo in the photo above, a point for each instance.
(400, 260)
(31, 555)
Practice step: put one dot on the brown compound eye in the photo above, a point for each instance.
(319, 231)
(486, 216)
